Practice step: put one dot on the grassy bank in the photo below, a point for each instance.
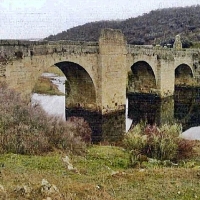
(55, 70)
(45, 86)
(43, 157)
(102, 173)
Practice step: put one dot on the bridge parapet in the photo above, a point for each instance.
(162, 52)
(70, 47)
(151, 51)
(17, 49)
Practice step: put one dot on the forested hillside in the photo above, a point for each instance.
(157, 27)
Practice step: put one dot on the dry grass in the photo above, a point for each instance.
(27, 129)
(101, 174)
(55, 70)
(161, 143)
(45, 86)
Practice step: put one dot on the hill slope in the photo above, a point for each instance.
(158, 26)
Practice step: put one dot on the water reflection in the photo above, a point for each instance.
(108, 127)
(183, 108)
(150, 108)
(187, 106)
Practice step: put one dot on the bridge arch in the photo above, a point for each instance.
(81, 89)
(141, 78)
(184, 75)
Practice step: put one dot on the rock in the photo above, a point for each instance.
(70, 167)
(45, 185)
(114, 172)
(66, 160)
(192, 133)
(50, 190)
(24, 190)
(3, 194)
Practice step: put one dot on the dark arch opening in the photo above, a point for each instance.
(81, 97)
(183, 75)
(141, 93)
(141, 78)
(185, 96)
(81, 90)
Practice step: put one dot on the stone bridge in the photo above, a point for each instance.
(100, 74)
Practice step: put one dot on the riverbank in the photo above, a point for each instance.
(97, 172)
(102, 173)
(50, 84)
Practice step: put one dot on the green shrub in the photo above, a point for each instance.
(135, 140)
(27, 129)
(161, 144)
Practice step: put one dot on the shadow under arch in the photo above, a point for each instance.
(183, 75)
(81, 97)
(80, 88)
(143, 101)
(141, 78)
(186, 97)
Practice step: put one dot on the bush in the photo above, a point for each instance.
(135, 140)
(161, 144)
(27, 129)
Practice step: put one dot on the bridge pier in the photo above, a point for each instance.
(97, 72)
(112, 62)
(165, 78)
(107, 118)
(107, 127)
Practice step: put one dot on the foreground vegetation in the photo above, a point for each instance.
(162, 143)
(43, 157)
(103, 173)
(27, 129)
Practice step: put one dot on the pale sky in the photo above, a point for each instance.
(22, 19)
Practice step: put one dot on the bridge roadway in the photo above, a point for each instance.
(99, 74)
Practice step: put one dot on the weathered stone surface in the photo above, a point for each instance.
(97, 72)
(23, 190)
(69, 165)
(107, 63)
(50, 190)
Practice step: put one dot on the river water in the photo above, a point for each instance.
(53, 105)
(140, 107)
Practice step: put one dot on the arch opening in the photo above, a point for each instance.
(185, 93)
(184, 75)
(80, 89)
(49, 82)
(141, 78)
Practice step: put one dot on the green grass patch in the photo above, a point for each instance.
(50, 162)
(102, 173)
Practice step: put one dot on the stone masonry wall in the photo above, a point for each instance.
(22, 62)
(107, 62)
(112, 47)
